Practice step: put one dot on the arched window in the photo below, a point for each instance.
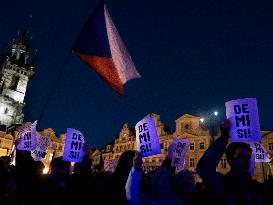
(14, 82)
(6, 111)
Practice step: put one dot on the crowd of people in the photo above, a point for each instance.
(26, 184)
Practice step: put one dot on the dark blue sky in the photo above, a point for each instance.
(193, 57)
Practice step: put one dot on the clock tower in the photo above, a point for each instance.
(16, 67)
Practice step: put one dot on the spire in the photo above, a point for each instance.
(32, 60)
(19, 50)
(24, 33)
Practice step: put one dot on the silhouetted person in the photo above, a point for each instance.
(236, 187)
(81, 182)
(24, 175)
(185, 188)
(58, 182)
(162, 187)
(120, 175)
(167, 164)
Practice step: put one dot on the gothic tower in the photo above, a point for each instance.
(16, 67)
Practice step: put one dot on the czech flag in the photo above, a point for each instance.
(100, 46)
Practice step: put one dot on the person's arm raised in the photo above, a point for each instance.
(206, 166)
(133, 182)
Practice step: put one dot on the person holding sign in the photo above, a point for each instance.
(162, 186)
(237, 186)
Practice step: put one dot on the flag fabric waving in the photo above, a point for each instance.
(100, 46)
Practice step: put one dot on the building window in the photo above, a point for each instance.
(116, 156)
(202, 145)
(191, 162)
(270, 145)
(186, 126)
(6, 111)
(223, 163)
(161, 145)
(192, 146)
(14, 82)
(153, 160)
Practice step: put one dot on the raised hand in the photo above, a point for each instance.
(137, 163)
(225, 127)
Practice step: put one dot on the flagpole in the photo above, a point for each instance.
(54, 87)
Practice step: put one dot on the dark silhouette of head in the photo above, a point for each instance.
(124, 165)
(162, 183)
(59, 167)
(38, 168)
(84, 167)
(185, 181)
(238, 157)
(4, 162)
(167, 163)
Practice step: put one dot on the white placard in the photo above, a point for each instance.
(147, 138)
(43, 142)
(181, 147)
(260, 153)
(73, 149)
(28, 137)
(110, 165)
(244, 118)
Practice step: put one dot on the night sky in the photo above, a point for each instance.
(193, 57)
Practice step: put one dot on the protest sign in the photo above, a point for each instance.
(171, 150)
(147, 138)
(150, 166)
(73, 149)
(260, 153)
(28, 138)
(180, 149)
(244, 118)
(43, 142)
(110, 165)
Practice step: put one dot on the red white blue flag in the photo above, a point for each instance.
(100, 46)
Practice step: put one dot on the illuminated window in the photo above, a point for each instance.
(191, 162)
(192, 146)
(270, 145)
(202, 145)
(223, 163)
